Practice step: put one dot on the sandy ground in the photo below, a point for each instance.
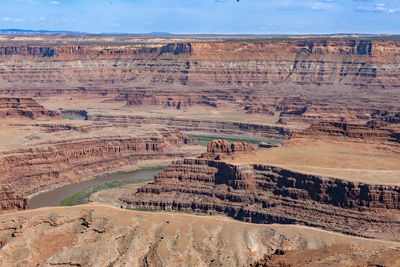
(111, 196)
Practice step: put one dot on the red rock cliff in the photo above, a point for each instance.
(29, 171)
(24, 108)
(267, 194)
(251, 63)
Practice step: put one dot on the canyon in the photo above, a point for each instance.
(301, 79)
(321, 176)
(267, 194)
(252, 63)
(41, 150)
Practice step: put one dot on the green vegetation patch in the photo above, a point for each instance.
(83, 196)
(204, 139)
(67, 117)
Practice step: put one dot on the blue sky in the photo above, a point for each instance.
(204, 16)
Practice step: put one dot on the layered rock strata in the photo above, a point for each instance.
(202, 64)
(307, 109)
(336, 255)
(52, 164)
(11, 201)
(220, 149)
(172, 99)
(24, 108)
(268, 194)
(385, 117)
(366, 132)
(305, 80)
(196, 125)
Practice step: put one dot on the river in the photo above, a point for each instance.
(55, 196)
(73, 115)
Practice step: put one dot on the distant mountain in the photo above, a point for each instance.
(33, 32)
(161, 33)
(44, 32)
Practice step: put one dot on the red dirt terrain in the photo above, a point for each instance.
(257, 63)
(128, 100)
(24, 108)
(303, 80)
(267, 194)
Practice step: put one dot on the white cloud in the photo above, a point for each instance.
(322, 5)
(18, 20)
(55, 2)
(42, 19)
(5, 19)
(377, 7)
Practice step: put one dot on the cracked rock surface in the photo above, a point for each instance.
(99, 235)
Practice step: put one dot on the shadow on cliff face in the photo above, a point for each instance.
(364, 48)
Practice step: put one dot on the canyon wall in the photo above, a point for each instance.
(268, 194)
(24, 108)
(196, 125)
(365, 132)
(32, 67)
(10, 200)
(51, 164)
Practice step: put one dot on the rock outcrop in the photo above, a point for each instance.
(336, 255)
(221, 149)
(304, 80)
(267, 194)
(98, 235)
(196, 125)
(200, 64)
(175, 100)
(29, 171)
(365, 132)
(24, 108)
(11, 201)
(385, 117)
(222, 146)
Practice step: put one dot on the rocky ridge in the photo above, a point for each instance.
(11, 201)
(51, 164)
(365, 132)
(172, 99)
(260, 63)
(24, 108)
(302, 80)
(267, 194)
(99, 235)
(335, 255)
(198, 125)
(221, 149)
